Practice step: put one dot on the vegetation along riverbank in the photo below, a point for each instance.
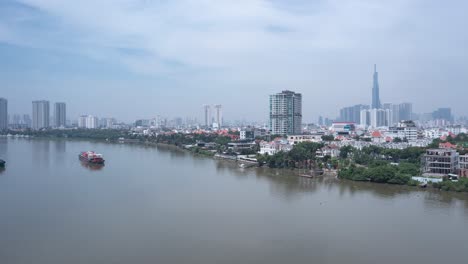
(370, 163)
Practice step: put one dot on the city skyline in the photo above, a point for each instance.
(77, 55)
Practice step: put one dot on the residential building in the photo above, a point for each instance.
(440, 162)
(218, 115)
(294, 139)
(239, 146)
(376, 117)
(208, 119)
(405, 130)
(82, 121)
(91, 122)
(443, 114)
(405, 111)
(88, 121)
(275, 146)
(330, 150)
(286, 113)
(3, 114)
(41, 114)
(60, 114)
(352, 113)
(463, 165)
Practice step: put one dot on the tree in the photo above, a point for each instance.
(328, 138)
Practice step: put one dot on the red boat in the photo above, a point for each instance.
(91, 157)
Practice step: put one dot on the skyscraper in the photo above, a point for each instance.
(352, 113)
(219, 115)
(405, 111)
(286, 113)
(3, 113)
(375, 90)
(208, 120)
(40, 114)
(60, 114)
(443, 113)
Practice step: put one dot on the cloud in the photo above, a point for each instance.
(259, 46)
(212, 34)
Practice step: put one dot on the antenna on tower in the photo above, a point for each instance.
(375, 67)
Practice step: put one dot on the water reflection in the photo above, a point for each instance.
(2, 169)
(92, 166)
(40, 153)
(3, 147)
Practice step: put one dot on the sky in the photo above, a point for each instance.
(142, 58)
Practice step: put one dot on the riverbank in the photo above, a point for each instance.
(460, 186)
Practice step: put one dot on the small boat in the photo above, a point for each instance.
(423, 185)
(91, 157)
(2, 163)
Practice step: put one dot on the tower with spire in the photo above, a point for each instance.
(375, 90)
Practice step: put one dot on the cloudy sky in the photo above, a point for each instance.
(142, 58)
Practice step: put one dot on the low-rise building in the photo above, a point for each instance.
(440, 162)
(294, 139)
(463, 166)
(329, 150)
(275, 146)
(239, 146)
(405, 130)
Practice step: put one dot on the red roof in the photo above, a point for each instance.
(447, 145)
(376, 134)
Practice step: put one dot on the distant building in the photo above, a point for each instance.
(60, 114)
(376, 117)
(320, 121)
(142, 123)
(343, 128)
(107, 122)
(352, 113)
(3, 114)
(207, 115)
(82, 121)
(218, 115)
(405, 111)
(41, 114)
(27, 120)
(443, 114)
(440, 162)
(405, 130)
(286, 113)
(375, 90)
(88, 121)
(91, 122)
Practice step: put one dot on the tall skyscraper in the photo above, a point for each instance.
(219, 115)
(208, 120)
(286, 113)
(3, 113)
(375, 90)
(60, 114)
(40, 114)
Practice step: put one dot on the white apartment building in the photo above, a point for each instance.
(88, 121)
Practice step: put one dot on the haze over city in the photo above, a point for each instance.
(138, 59)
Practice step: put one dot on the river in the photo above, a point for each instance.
(163, 205)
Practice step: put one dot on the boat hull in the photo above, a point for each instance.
(91, 160)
